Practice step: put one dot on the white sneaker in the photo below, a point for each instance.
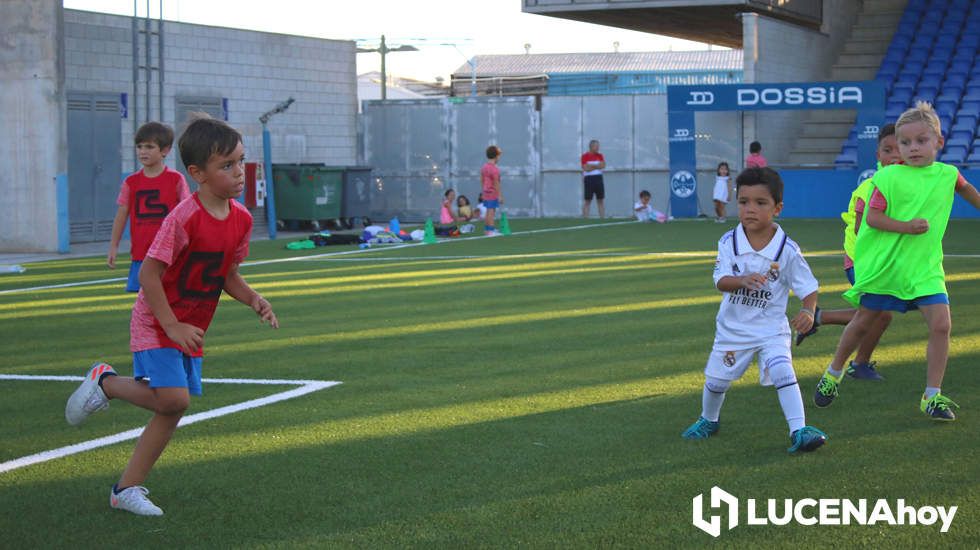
(491, 234)
(133, 499)
(89, 397)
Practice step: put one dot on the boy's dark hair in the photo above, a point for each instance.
(755, 147)
(885, 131)
(154, 132)
(644, 193)
(448, 191)
(206, 136)
(761, 176)
(492, 152)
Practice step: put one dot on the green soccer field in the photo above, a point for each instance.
(524, 391)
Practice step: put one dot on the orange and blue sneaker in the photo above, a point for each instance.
(89, 397)
(807, 439)
(938, 407)
(701, 429)
(826, 390)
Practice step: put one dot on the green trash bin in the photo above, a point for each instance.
(307, 192)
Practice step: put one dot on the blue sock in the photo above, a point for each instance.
(489, 228)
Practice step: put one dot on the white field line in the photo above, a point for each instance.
(323, 255)
(305, 387)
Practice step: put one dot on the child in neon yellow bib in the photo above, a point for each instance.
(898, 263)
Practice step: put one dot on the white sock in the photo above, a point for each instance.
(930, 391)
(792, 403)
(834, 373)
(711, 404)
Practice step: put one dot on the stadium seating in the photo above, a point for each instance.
(933, 57)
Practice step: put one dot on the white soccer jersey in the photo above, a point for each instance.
(750, 318)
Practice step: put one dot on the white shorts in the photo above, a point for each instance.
(732, 364)
(721, 191)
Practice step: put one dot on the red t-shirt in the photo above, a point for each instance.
(199, 250)
(592, 160)
(488, 174)
(149, 201)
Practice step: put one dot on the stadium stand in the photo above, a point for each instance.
(933, 57)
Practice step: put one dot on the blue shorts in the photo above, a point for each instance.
(133, 282)
(491, 204)
(887, 302)
(168, 368)
(849, 273)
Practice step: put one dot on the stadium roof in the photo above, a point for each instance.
(606, 62)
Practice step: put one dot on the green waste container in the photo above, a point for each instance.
(307, 192)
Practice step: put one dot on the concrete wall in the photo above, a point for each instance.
(776, 51)
(253, 70)
(32, 122)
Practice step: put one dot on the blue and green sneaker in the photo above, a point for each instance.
(701, 429)
(807, 439)
(826, 390)
(938, 407)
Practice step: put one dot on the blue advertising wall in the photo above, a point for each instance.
(825, 193)
(868, 98)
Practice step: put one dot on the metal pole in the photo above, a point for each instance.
(149, 75)
(270, 197)
(473, 77)
(384, 75)
(134, 101)
(160, 62)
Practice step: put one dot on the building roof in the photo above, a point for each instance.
(606, 62)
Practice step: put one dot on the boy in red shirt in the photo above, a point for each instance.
(593, 163)
(146, 197)
(755, 158)
(194, 256)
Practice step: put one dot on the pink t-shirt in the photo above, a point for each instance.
(488, 174)
(445, 215)
(199, 251)
(755, 160)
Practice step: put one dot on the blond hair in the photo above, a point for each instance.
(922, 112)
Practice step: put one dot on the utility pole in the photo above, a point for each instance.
(384, 50)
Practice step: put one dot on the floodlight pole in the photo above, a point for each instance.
(384, 50)
(270, 196)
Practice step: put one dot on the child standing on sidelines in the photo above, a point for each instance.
(757, 266)
(193, 258)
(898, 263)
(755, 158)
(721, 191)
(490, 181)
(146, 197)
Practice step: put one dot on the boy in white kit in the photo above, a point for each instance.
(756, 268)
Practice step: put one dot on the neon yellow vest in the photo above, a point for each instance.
(862, 192)
(901, 265)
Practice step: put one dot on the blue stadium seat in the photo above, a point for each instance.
(970, 107)
(974, 158)
(958, 142)
(955, 80)
(960, 67)
(946, 108)
(973, 95)
(954, 155)
(965, 123)
(893, 112)
(963, 135)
